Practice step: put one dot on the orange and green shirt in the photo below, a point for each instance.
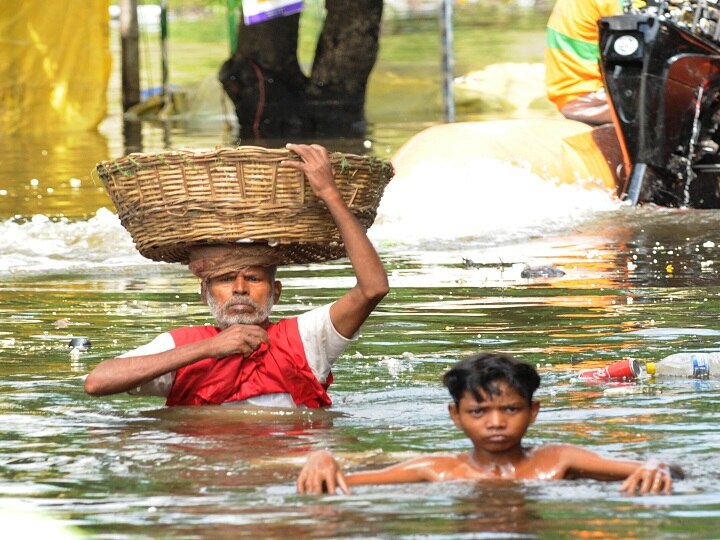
(572, 50)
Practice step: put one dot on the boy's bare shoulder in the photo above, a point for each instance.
(572, 461)
(550, 449)
(548, 461)
(560, 453)
(440, 460)
(560, 449)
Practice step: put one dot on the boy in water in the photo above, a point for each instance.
(493, 405)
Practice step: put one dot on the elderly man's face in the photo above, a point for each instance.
(243, 297)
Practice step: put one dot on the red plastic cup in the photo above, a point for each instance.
(624, 369)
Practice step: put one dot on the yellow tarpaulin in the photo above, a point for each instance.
(54, 65)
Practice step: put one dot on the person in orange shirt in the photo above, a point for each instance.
(572, 73)
(493, 405)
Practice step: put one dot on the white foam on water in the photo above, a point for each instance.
(44, 244)
(487, 200)
(482, 199)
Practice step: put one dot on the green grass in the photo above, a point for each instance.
(481, 36)
(407, 74)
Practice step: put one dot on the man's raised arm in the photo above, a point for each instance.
(354, 307)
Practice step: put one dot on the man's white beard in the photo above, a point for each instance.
(225, 319)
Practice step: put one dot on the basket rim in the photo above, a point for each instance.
(283, 153)
(228, 195)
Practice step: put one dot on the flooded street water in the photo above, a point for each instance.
(638, 283)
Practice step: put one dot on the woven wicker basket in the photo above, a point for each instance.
(172, 201)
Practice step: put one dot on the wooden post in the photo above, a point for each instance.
(130, 52)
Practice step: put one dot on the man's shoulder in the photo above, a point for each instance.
(611, 7)
(191, 333)
(307, 318)
(311, 320)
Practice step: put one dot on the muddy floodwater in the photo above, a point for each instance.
(636, 283)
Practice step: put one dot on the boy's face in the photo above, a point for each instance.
(497, 423)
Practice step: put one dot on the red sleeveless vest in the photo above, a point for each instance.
(280, 367)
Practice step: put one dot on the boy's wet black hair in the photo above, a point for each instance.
(482, 370)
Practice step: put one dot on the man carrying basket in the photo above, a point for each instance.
(246, 358)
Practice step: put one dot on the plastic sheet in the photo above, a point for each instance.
(54, 65)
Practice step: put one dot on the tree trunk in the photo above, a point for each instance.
(345, 55)
(264, 80)
(274, 99)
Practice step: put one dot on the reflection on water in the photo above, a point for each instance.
(51, 171)
(127, 467)
(638, 283)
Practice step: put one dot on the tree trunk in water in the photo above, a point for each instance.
(274, 99)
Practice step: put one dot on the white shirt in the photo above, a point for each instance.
(321, 341)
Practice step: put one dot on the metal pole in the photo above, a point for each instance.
(232, 24)
(448, 60)
(130, 52)
(164, 53)
(636, 183)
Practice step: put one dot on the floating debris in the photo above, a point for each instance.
(80, 343)
(543, 271)
(469, 263)
(630, 390)
(61, 323)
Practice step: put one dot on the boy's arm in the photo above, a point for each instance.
(322, 474)
(420, 469)
(652, 476)
(127, 372)
(350, 311)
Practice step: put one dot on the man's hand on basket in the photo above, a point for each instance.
(315, 163)
(352, 309)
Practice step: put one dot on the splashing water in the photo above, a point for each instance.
(42, 243)
(501, 203)
(445, 201)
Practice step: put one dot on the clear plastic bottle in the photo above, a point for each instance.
(696, 365)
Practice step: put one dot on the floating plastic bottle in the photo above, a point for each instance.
(631, 389)
(623, 369)
(690, 365)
